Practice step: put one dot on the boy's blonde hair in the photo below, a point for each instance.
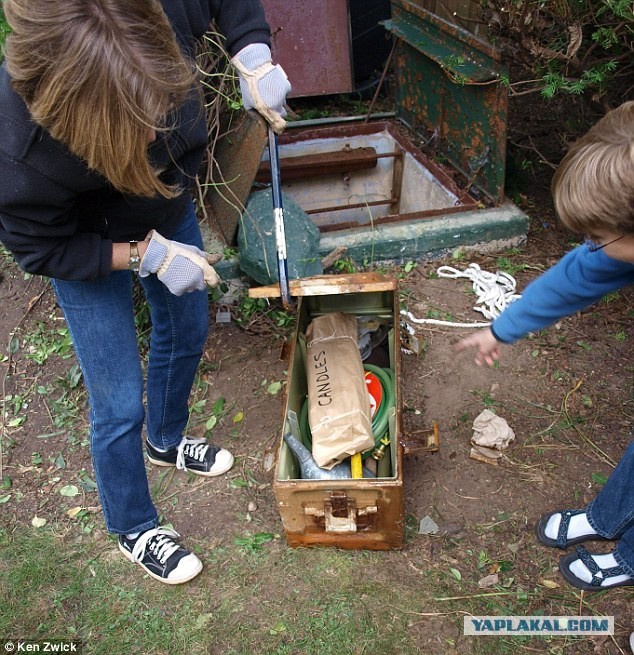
(99, 75)
(593, 188)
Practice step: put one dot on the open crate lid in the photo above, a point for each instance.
(327, 285)
(451, 91)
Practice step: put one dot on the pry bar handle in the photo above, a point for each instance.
(278, 209)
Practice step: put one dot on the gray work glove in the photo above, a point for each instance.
(263, 86)
(180, 267)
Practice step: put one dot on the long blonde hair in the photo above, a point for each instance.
(593, 188)
(99, 75)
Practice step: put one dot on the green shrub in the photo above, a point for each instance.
(566, 47)
(4, 30)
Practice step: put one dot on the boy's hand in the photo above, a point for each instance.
(488, 346)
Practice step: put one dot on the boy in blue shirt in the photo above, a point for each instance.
(593, 192)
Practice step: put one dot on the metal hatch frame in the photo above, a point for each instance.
(450, 88)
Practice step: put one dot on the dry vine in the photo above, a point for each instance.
(222, 98)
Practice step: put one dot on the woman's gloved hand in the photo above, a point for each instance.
(180, 267)
(263, 86)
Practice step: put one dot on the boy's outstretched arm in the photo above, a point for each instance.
(488, 347)
(579, 279)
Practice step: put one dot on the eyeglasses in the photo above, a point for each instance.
(593, 246)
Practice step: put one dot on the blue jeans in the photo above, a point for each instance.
(611, 513)
(100, 317)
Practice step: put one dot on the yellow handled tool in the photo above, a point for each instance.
(356, 466)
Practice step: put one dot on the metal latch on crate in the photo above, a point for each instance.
(421, 441)
(340, 513)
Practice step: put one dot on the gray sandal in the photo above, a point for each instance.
(598, 574)
(562, 540)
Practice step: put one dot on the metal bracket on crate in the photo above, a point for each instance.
(419, 441)
(340, 513)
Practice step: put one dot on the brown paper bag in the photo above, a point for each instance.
(338, 401)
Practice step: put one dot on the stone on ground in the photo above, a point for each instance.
(256, 240)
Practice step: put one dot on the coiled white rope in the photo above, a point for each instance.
(494, 293)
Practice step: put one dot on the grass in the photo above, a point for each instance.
(264, 601)
(57, 587)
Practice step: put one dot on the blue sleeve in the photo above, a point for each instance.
(579, 279)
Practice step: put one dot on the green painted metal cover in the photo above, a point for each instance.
(451, 90)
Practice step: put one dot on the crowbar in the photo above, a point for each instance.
(278, 214)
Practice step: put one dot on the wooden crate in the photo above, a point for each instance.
(351, 513)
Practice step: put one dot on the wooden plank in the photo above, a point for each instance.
(325, 285)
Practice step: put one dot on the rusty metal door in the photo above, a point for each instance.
(311, 40)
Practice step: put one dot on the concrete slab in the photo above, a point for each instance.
(489, 230)
(485, 230)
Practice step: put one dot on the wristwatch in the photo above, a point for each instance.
(135, 261)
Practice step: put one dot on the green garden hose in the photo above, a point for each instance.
(379, 420)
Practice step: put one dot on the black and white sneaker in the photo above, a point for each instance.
(193, 454)
(162, 557)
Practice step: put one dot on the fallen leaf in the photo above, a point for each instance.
(549, 584)
(576, 37)
(269, 461)
(274, 388)
(38, 522)
(14, 345)
(238, 417)
(69, 490)
(488, 581)
(427, 526)
(211, 422)
(278, 628)
(203, 619)
(74, 511)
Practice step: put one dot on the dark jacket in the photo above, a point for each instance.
(60, 219)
